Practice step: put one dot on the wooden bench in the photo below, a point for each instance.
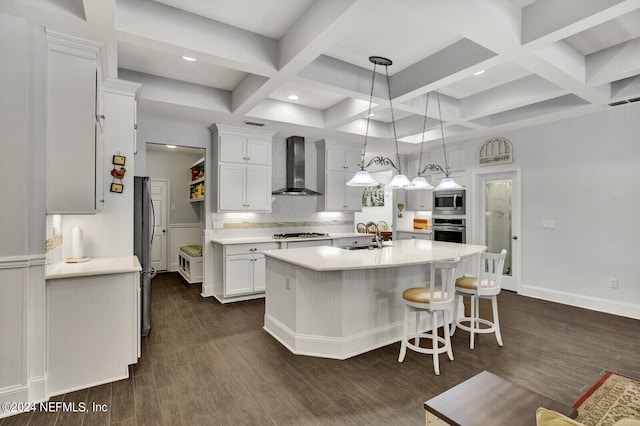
(190, 263)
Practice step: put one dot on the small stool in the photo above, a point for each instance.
(486, 284)
(436, 296)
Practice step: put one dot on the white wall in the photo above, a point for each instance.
(583, 174)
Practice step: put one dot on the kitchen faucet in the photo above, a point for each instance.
(378, 237)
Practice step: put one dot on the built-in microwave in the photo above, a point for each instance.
(449, 202)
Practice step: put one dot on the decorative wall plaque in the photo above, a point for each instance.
(495, 151)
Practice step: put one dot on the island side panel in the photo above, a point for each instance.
(337, 314)
(280, 303)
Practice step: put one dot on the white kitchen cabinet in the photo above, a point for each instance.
(245, 149)
(93, 322)
(455, 159)
(74, 122)
(420, 199)
(243, 161)
(334, 171)
(339, 196)
(243, 272)
(244, 188)
(345, 159)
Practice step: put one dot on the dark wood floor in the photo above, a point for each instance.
(206, 363)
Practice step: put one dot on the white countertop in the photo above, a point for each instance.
(394, 254)
(99, 266)
(270, 239)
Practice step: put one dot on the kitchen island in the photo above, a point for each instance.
(336, 303)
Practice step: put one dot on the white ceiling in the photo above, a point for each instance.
(544, 60)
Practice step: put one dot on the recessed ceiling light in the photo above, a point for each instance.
(372, 114)
(293, 97)
(479, 72)
(189, 58)
(171, 146)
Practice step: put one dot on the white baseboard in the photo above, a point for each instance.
(602, 305)
(332, 347)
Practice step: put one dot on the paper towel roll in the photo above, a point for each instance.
(76, 242)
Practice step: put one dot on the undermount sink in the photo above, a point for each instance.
(372, 247)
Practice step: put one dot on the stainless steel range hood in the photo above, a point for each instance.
(295, 169)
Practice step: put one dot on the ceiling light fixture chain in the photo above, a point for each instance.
(366, 131)
(446, 162)
(424, 130)
(362, 177)
(421, 183)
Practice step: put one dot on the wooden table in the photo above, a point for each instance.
(487, 399)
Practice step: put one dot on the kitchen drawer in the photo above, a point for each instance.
(365, 240)
(233, 249)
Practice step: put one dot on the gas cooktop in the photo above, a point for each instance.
(299, 235)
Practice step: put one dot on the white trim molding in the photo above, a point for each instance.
(586, 302)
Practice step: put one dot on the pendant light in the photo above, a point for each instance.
(419, 182)
(362, 177)
(448, 182)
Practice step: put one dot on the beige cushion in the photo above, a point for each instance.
(420, 295)
(470, 283)
(627, 422)
(545, 417)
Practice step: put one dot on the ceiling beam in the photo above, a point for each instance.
(319, 27)
(153, 25)
(102, 13)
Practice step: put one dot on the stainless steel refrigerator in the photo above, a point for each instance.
(143, 225)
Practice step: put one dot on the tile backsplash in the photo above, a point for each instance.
(289, 214)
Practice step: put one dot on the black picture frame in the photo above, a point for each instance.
(119, 160)
(116, 187)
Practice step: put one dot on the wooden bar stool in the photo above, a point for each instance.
(436, 296)
(486, 284)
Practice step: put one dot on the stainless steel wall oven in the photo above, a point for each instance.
(452, 230)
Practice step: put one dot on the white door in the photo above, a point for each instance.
(159, 198)
(497, 219)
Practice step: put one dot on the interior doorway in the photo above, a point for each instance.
(159, 198)
(497, 219)
(182, 215)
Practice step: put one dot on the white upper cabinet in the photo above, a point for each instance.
(343, 159)
(454, 158)
(336, 166)
(74, 121)
(420, 199)
(245, 149)
(243, 161)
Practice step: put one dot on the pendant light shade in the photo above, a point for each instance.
(418, 183)
(447, 183)
(362, 178)
(399, 181)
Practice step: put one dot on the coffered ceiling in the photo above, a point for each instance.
(498, 64)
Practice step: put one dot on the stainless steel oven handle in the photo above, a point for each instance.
(448, 228)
